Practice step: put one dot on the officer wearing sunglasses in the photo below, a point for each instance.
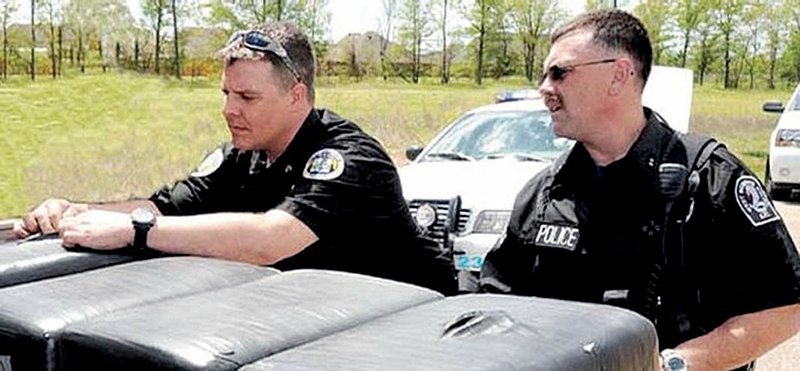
(295, 187)
(628, 217)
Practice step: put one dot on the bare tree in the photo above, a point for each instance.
(479, 20)
(176, 65)
(445, 54)
(386, 22)
(707, 45)
(727, 17)
(9, 8)
(753, 26)
(51, 11)
(154, 12)
(413, 27)
(33, 39)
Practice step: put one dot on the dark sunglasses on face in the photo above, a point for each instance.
(557, 73)
(258, 41)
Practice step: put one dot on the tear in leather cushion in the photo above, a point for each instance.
(484, 332)
(32, 261)
(225, 329)
(32, 315)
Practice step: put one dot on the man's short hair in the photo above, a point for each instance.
(615, 30)
(297, 46)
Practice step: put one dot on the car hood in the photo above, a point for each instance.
(484, 184)
(789, 120)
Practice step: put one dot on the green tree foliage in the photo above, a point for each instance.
(533, 21)
(688, 15)
(657, 18)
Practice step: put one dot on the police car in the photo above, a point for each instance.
(783, 164)
(472, 172)
(461, 186)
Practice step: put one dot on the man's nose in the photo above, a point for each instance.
(228, 106)
(545, 87)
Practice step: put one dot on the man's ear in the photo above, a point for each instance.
(297, 95)
(622, 76)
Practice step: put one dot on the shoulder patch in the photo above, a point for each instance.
(325, 164)
(210, 164)
(754, 201)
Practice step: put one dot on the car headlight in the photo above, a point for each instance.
(491, 222)
(787, 138)
(425, 216)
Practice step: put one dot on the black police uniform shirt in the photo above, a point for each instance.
(579, 232)
(339, 182)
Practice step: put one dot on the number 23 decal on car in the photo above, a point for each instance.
(469, 262)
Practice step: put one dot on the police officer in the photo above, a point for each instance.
(296, 187)
(721, 284)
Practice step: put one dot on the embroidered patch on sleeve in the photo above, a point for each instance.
(754, 201)
(325, 164)
(210, 164)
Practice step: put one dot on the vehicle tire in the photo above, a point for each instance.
(773, 191)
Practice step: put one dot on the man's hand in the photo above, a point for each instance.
(46, 217)
(97, 229)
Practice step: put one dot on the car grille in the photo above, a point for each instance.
(437, 230)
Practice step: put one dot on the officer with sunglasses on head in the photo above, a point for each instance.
(671, 226)
(296, 187)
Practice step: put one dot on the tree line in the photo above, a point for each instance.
(733, 43)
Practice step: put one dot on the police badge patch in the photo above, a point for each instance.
(210, 164)
(325, 164)
(754, 202)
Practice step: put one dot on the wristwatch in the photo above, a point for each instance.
(143, 219)
(672, 361)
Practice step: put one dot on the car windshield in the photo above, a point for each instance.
(523, 135)
(795, 106)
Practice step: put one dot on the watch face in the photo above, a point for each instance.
(142, 215)
(676, 363)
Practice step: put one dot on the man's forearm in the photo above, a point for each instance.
(741, 339)
(254, 238)
(125, 206)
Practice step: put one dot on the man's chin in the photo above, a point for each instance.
(242, 144)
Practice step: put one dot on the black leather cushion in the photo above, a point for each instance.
(484, 332)
(32, 261)
(33, 315)
(225, 329)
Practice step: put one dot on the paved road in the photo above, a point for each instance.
(785, 357)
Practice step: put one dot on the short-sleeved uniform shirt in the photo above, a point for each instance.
(586, 233)
(339, 182)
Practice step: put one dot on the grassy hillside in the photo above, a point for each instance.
(111, 136)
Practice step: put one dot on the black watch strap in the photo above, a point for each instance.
(140, 236)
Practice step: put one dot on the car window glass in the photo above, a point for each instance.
(795, 106)
(499, 134)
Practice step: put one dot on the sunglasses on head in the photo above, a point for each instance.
(258, 41)
(558, 73)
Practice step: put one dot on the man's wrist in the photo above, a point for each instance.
(143, 219)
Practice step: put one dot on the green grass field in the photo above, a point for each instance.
(113, 136)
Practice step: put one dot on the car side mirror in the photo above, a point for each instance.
(773, 106)
(412, 152)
